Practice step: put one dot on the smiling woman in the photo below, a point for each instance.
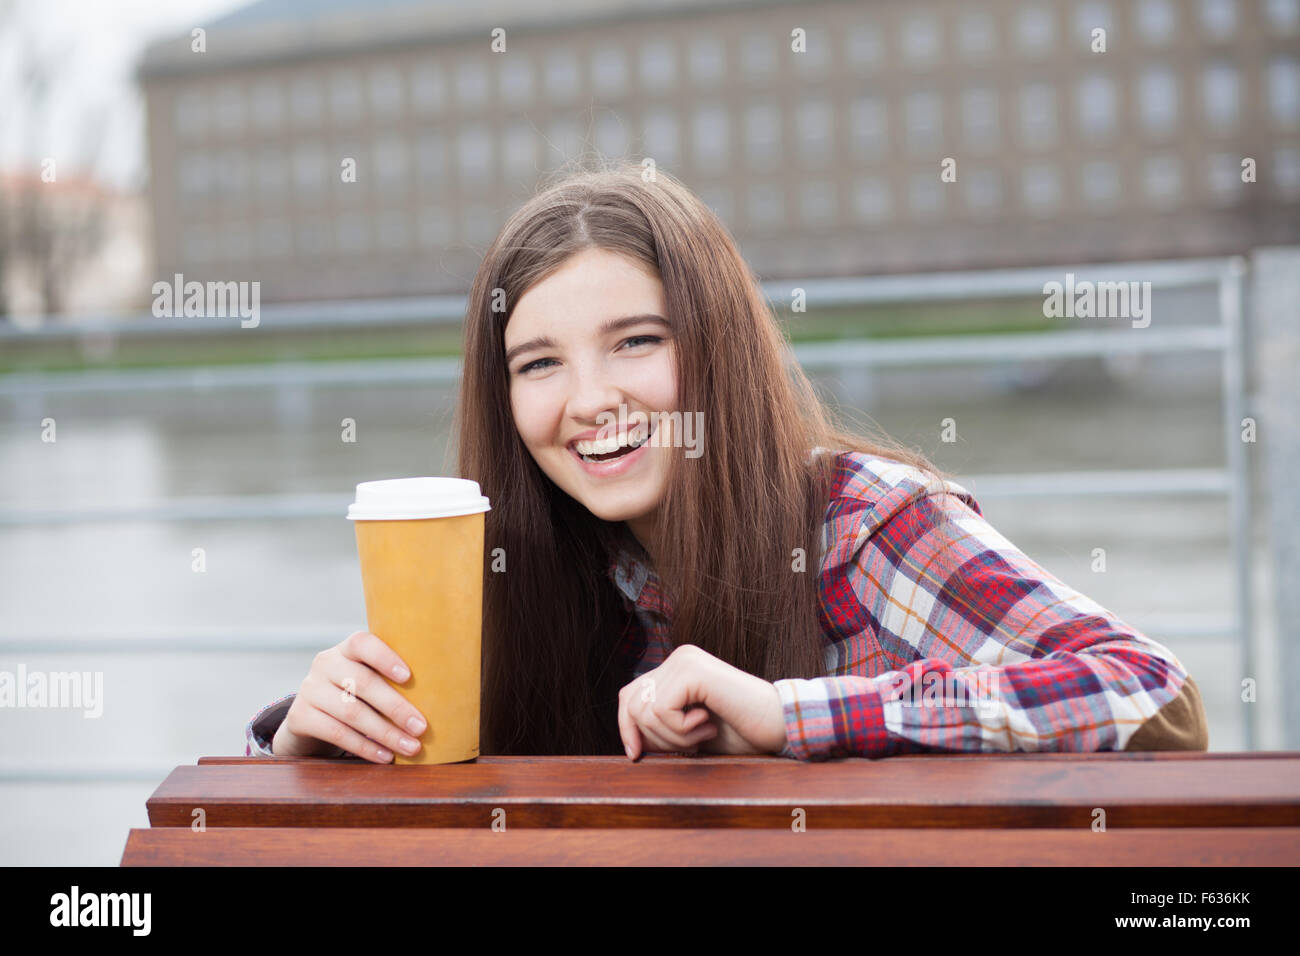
(685, 553)
(776, 592)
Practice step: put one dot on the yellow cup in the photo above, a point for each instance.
(420, 543)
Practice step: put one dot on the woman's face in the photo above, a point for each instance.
(569, 374)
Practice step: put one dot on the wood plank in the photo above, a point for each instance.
(758, 792)
(332, 846)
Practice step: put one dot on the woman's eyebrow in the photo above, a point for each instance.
(607, 327)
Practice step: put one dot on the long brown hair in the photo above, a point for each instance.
(735, 513)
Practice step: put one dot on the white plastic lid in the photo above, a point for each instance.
(395, 499)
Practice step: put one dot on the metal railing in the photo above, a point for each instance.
(1225, 337)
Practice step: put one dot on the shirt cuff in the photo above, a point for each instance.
(832, 717)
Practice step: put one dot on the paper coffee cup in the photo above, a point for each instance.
(420, 542)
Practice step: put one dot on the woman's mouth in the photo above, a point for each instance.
(607, 457)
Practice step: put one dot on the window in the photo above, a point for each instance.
(976, 36)
(814, 132)
(392, 231)
(707, 59)
(1096, 104)
(758, 55)
(869, 126)
(979, 117)
(658, 64)
(232, 172)
(351, 233)
(480, 223)
(471, 83)
(516, 78)
(925, 195)
(1101, 185)
(306, 101)
(1158, 99)
(562, 79)
(1223, 175)
(389, 157)
(921, 40)
(709, 137)
(817, 203)
(1090, 15)
(474, 153)
(983, 188)
(762, 135)
(194, 174)
(272, 175)
(1284, 91)
(274, 238)
(766, 206)
(871, 200)
(1221, 95)
(427, 87)
(520, 154)
(385, 91)
(1286, 171)
(431, 159)
(1041, 188)
(863, 46)
(1156, 21)
(565, 140)
(309, 167)
(198, 244)
(1283, 15)
(228, 107)
(661, 136)
(1218, 18)
(923, 114)
(1038, 115)
(191, 113)
(1162, 179)
(268, 105)
(1034, 30)
(609, 70)
(718, 198)
(433, 228)
(816, 58)
(345, 97)
(312, 238)
(611, 135)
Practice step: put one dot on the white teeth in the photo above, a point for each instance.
(603, 446)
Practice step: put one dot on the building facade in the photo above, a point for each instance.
(833, 138)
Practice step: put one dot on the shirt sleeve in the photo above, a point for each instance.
(260, 731)
(998, 656)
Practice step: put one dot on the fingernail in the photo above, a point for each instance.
(409, 745)
(400, 672)
(627, 750)
(415, 725)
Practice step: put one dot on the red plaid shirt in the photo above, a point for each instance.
(1012, 660)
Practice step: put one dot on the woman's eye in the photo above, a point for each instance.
(646, 338)
(541, 363)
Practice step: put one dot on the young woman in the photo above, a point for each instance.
(698, 559)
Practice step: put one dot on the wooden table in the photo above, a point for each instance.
(1159, 809)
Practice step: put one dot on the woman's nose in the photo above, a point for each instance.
(593, 391)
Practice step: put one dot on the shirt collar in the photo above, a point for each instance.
(634, 578)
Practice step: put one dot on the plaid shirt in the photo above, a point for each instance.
(1013, 659)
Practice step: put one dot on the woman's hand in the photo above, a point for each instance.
(344, 702)
(694, 701)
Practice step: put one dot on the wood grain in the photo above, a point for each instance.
(664, 791)
(263, 846)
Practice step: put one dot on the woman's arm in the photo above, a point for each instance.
(1002, 657)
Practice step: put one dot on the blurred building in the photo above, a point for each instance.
(827, 161)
